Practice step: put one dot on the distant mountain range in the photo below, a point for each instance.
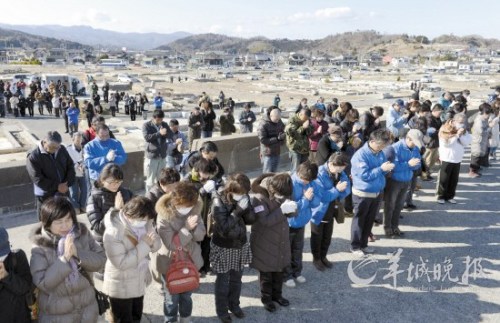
(100, 37)
(14, 38)
(358, 42)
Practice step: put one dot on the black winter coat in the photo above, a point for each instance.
(271, 137)
(230, 222)
(99, 203)
(325, 149)
(47, 172)
(156, 144)
(14, 288)
(208, 120)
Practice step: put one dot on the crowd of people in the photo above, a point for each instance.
(343, 163)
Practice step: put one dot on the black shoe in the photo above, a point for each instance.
(398, 232)
(270, 307)
(389, 233)
(66, 131)
(410, 207)
(328, 264)
(203, 274)
(238, 312)
(226, 319)
(319, 265)
(282, 301)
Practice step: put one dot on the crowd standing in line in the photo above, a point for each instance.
(343, 164)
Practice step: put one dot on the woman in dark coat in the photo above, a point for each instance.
(269, 240)
(229, 249)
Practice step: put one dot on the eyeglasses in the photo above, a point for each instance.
(113, 182)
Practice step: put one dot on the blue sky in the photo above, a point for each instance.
(293, 19)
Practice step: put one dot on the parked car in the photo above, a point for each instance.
(426, 79)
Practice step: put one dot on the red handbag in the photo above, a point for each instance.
(182, 275)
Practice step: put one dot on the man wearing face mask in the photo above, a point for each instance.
(50, 168)
(405, 154)
(335, 186)
(271, 136)
(479, 146)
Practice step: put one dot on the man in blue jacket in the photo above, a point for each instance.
(396, 118)
(405, 154)
(334, 186)
(101, 151)
(369, 167)
(307, 194)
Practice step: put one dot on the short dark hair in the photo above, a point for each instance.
(169, 175)
(55, 208)
(209, 146)
(238, 183)
(110, 171)
(101, 126)
(158, 114)
(139, 207)
(281, 184)
(173, 122)
(379, 110)
(485, 108)
(339, 159)
(307, 171)
(98, 119)
(53, 136)
(271, 108)
(380, 136)
(205, 166)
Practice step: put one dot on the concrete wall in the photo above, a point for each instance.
(237, 153)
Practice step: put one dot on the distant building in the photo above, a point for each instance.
(296, 59)
(400, 62)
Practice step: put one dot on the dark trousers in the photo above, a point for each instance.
(227, 292)
(365, 210)
(31, 111)
(89, 119)
(394, 199)
(127, 310)
(133, 115)
(40, 107)
(205, 253)
(65, 117)
(477, 161)
(296, 245)
(271, 285)
(38, 204)
(411, 188)
(321, 235)
(448, 180)
(297, 159)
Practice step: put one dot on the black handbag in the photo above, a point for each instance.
(101, 298)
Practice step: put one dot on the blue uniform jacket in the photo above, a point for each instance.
(95, 153)
(304, 206)
(402, 172)
(367, 176)
(328, 192)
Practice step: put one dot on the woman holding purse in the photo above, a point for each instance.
(129, 238)
(63, 254)
(179, 215)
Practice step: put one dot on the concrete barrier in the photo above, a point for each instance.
(237, 153)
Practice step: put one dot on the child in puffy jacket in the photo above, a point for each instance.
(307, 194)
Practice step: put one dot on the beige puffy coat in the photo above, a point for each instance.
(122, 277)
(169, 222)
(58, 301)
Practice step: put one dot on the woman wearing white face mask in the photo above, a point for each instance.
(179, 214)
(128, 240)
(229, 248)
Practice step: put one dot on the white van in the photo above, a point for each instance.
(64, 77)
